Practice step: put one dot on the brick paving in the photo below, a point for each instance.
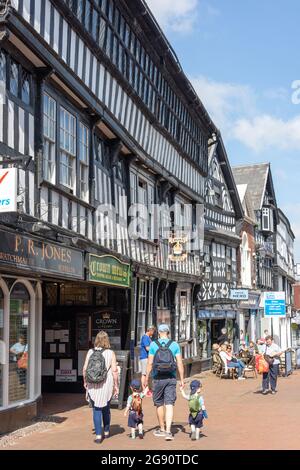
(239, 418)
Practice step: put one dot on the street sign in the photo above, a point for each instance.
(275, 304)
(239, 294)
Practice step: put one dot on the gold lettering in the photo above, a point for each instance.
(18, 243)
(31, 247)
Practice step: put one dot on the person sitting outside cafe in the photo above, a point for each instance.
(253, 348)
(231, 361)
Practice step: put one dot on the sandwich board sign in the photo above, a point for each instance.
(275, 304)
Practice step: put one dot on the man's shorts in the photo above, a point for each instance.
(164, 392)
(144, 363)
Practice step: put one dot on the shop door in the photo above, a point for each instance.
(216, 327)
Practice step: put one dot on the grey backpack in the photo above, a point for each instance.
(96, 371)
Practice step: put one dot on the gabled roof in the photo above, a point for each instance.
(255, 176)
(218, 147)
(246, 201)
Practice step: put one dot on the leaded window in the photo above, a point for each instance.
(49, 138)
(67, 148)
(84, 161)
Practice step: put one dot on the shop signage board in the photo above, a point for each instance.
(239, 294)
(109, 270)
(275, 304)
(66, 375)
(8, 190)
(110, 322)
(216, 314)
(37, 255)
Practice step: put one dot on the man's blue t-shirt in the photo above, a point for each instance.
(145, 342)
(174, 348)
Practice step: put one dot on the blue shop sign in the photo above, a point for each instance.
(275, 304)
(216, 314)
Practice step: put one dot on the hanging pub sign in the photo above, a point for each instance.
(109, 270)
(178, 249)
(34, 254)
(8, 190)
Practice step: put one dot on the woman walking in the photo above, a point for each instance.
(100, 375)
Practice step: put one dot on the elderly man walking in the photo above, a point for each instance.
(164, 360)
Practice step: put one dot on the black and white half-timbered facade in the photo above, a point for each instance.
(106, 135)
(223, 210)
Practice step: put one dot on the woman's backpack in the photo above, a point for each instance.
(96, 371)
(164, 364)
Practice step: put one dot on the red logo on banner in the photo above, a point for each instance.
(3, 177)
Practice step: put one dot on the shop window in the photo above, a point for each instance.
(51, 294)
(74, 294)
(151, 298)
(2, 67)
(2, 349)
(19, 341)
(183, 315)
(49, 138)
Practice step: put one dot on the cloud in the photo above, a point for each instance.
(267, 132)
(177, 15)
(234, 109)
(225, 102)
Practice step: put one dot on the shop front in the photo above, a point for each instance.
(250, 316)
(24, 262)
(210, 324)
(75, 312)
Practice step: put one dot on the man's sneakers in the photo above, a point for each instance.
(265, 392)
(167, 435)
(241, 378)
(193, 436)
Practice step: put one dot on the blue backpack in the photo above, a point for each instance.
(164, 364)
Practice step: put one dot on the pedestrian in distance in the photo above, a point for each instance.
(146, 340)
(272, 353)
(134, 409)
(223, 338)
(100, 375)
(164, 360)
(196, 407)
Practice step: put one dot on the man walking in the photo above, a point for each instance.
(272, 354)
(146, 340)
(164, 360)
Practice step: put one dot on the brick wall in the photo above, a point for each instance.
(297, 296)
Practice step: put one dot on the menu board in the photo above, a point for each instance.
(82, 332)
(123, 362)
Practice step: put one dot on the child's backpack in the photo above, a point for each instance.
(164, 364)
(136, 404)
(96, 371)
(194, 405)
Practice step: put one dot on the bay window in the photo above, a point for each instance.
(67, 149)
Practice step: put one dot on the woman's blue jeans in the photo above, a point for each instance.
(101, 415)
(237, 365)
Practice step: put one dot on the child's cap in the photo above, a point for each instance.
(195, 384)
(136, 384)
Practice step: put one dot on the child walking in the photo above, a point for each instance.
(196, 407)
(135, 409)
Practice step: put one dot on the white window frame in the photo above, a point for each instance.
(67, 154)
(49, 111)
(84, 149)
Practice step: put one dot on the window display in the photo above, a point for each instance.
(19, 344)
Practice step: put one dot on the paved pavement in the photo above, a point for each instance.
(240, 417)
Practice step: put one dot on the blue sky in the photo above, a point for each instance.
(243, 58)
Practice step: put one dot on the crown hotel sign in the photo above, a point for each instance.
(109, 270)
(8, 190)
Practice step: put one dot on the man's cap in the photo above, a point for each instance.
(163, 328)
(136, 384)
(194, 385)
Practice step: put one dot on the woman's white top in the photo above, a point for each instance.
(102, 393)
